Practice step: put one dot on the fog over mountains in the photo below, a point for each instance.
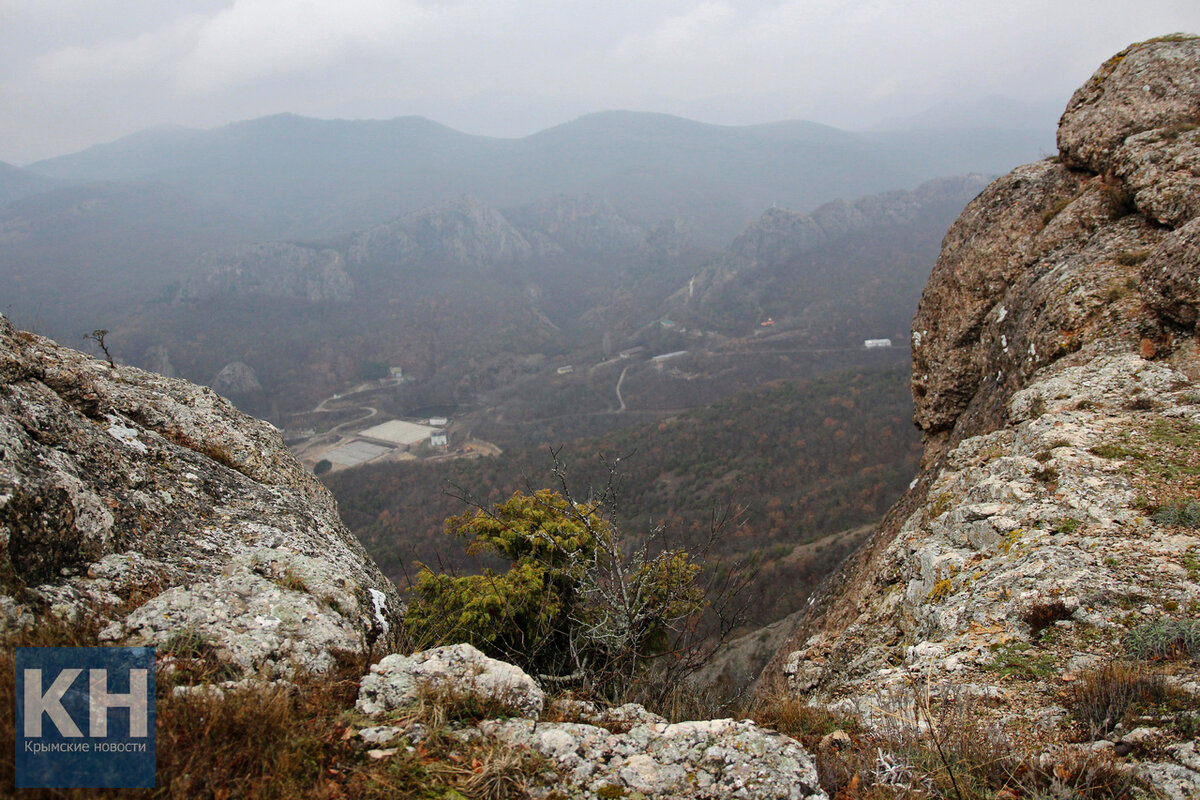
(301, 177)
(132, 216)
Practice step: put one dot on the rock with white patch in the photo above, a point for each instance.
(398, 681)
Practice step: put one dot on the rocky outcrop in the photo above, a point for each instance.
(785, 241)
(237, 379)
(782, 235)
(398, 681)
(1061, 253)
(154, 507)
(702, 760)
(1055, 523)
(582, 224)
(637, 754)
(270, 269)
(462, 233)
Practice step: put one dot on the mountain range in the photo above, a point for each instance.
(307, 178)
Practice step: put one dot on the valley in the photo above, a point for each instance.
(451, 350)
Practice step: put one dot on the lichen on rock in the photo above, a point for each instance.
(157, 507)
(1055, 369)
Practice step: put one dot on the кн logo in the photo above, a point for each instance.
(84, 717)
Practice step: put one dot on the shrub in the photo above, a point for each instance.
(576, 602)
(1164, 639)
(1186, 514)
(1042, 615)
(1101, 697)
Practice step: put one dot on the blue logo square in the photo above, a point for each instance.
(85, 717)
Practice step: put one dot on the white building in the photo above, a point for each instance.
(877, 343)
(438, 439)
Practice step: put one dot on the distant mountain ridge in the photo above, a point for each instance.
(16, 182)
(311, 178)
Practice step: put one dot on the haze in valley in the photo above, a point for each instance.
(77, 72)
(428, 240)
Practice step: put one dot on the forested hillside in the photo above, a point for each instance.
(789, 462)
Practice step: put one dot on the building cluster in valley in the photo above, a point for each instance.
(390, 438)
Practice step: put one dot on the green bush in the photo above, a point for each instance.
(576, 602)
(1165, 639)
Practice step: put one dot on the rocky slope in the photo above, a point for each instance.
(1055, 526)
(150, 510)
(272, 269)
(858, 265)
(155, 505)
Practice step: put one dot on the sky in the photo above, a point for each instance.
(77, 72)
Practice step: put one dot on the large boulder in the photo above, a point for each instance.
(1064, 252)
(1146, 86)
(398, 681)
(156, 507)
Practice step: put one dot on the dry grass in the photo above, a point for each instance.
(273, 742)
(944, 748)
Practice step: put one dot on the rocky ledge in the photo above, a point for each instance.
(153, 507)
(1052, 540)
(623, 752)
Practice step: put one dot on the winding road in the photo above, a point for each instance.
(621, 380)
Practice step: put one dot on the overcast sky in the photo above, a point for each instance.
(77, 72)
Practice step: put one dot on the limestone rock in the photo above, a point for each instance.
(583, 224)
(397, 681)
(1055, 376)
(1170, 276)
(463, 232)
(1061, 253)
(1158, 168)
(711, 759)
(1173, 781)
(781, 239)
(618, 718)
(157, 506)
(237, 379)
(1149, 85)
(269, 269)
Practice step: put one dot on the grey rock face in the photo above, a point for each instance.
(1172, 278)
(1047, 258)
(270, 269)
(462, 233)
(711, 759)
(155, 505)
(781, 236)
(237, 379)
(1149, 85)
(580, 223)
(1015, 519)
(1055, 375)
(397, 680)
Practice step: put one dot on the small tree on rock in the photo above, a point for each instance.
(576, 603)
